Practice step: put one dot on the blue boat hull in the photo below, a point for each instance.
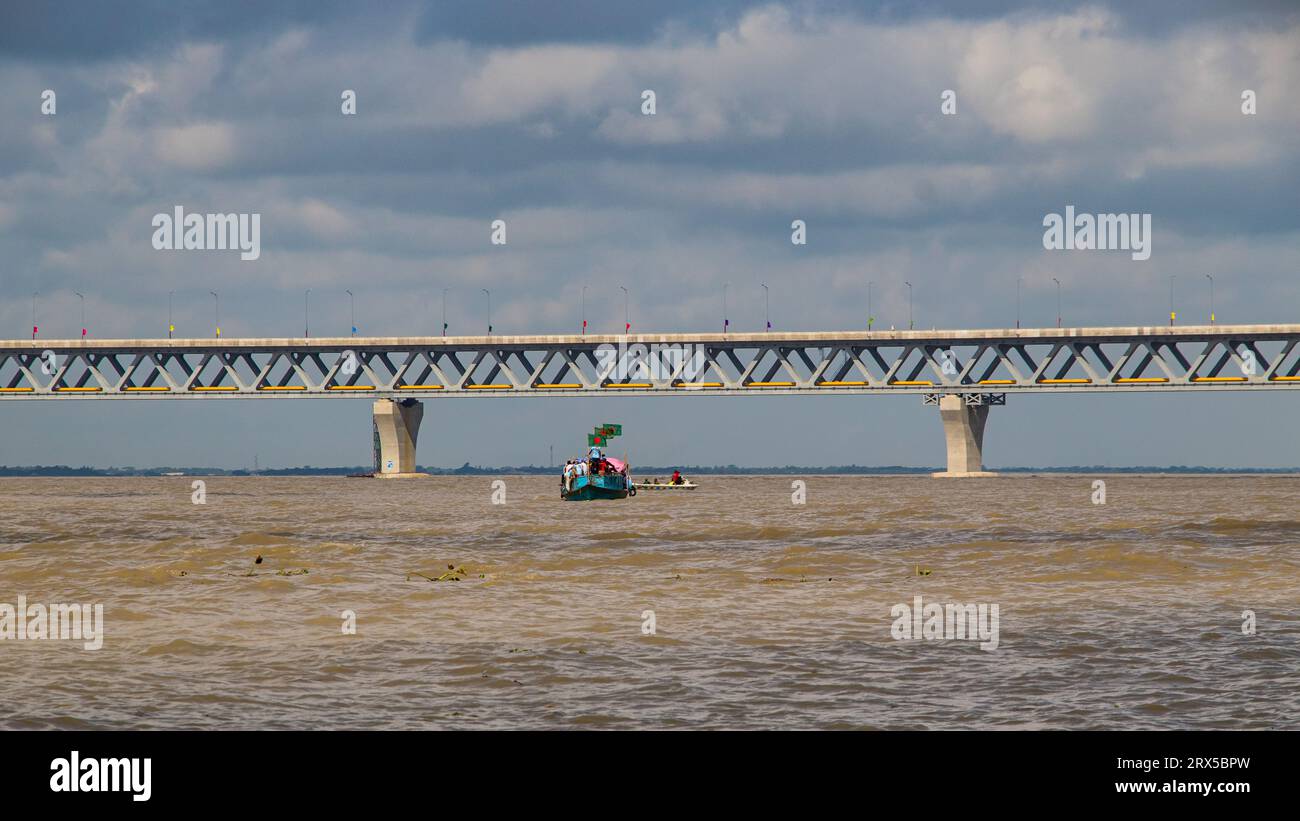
(589, 488)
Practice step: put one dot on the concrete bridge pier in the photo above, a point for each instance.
(397, 424)
(963, 417)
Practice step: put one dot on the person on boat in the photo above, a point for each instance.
(677, 478)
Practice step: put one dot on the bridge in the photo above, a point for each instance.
(963, 372)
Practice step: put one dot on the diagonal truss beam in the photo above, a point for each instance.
(968, 362)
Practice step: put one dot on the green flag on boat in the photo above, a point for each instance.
(603, 434)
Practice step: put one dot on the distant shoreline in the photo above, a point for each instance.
(35, 471)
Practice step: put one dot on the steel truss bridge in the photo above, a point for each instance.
(964, 373)
(1255, 357)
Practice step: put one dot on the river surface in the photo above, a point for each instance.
(766, 613)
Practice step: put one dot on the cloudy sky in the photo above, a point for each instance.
(827, 112)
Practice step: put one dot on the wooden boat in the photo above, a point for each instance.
(589, 488)
(665, 486)
(612, 481)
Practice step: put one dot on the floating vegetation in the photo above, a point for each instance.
(453, 574)
(775, 580)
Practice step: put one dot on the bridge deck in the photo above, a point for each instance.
(1160, 358)
(1182, 332)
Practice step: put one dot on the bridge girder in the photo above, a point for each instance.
(1239, 357)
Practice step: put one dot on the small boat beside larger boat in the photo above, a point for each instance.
(676, 482)
(655, 484)
(597, 476)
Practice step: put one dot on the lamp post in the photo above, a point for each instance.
(584, 310)
(489, 306)
(216, 311)
(725, 322)
(1058, 301)
(170, 327)
(909, 304)
(870, 316)
(1172, 314)
(1018, 281)
(34, 328)
(83, 313)
(444, 311)
(767, 307)
(352, 311)
(1211, 279)
(306, 314)
(627, 320)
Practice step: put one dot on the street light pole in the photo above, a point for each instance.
(1211, 279)
(83, 313)
(1018, 281)
(627, 319)
(306, 314)
(1058, 301)
(444, 310)
(34, 329)
(870, 316)
(767, 307)
(584, 310)
(1172, 315)
(352, 311)
(909, 304)
(216, 311)
(170, 327)
(489, 301)
(725, 322)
